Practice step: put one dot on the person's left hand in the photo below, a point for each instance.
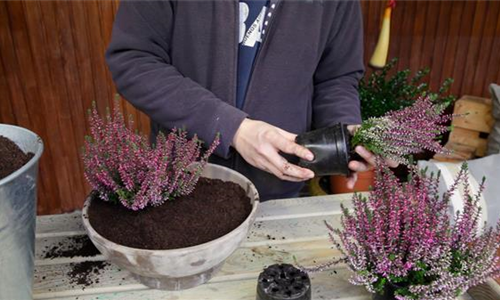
(361, 166)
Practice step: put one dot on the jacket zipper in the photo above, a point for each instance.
(261, 48)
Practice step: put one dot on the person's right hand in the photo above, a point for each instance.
(259, 143)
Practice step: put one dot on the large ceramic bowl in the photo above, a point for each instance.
(179, 268)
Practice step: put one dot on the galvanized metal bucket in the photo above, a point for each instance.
(18, 218)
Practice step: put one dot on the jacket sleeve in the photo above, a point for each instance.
(139, 61)
(336, 97)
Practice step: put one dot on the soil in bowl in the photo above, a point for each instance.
(212, 210)
(12, 158)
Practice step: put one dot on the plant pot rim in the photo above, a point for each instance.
(32, 161)
(91, 231)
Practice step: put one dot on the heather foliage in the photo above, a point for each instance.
(403, 235)
(122, 167)
(389, 90)
(411, 130)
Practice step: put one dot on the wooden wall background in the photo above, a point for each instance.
(52, 68)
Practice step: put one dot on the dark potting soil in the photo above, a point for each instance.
(75, 246)
(213, 209)
(86, 273)
(12, 157)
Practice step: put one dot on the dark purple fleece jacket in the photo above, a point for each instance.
(177, 62)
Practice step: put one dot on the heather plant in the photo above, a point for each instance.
(123, 167)
(384, 90)
(403, 236)
(410, 130)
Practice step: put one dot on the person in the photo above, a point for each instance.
(256, 71)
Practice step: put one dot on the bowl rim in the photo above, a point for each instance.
(253, 190)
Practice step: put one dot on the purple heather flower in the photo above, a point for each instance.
(402, 232)
(121, 165)
(398, 134)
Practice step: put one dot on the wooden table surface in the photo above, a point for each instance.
(283, 229)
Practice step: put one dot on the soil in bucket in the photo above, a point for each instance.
(212, 210)
(12, 158)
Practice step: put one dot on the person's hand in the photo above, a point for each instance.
(259, 143)
(361, 166)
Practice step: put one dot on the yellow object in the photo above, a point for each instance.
(379, 57)
(315, 188)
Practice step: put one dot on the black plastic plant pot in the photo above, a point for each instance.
(331, 149)
(283, 282)
(388, 293)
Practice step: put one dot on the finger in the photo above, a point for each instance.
(286, 145)
(358, 166)
(274, 170)
(366, 155)
(351, 180)
(353, 128)
(287, 168)
(391, 163)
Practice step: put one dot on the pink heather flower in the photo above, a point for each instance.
(402, 234)
(408, 131)
(122, 167)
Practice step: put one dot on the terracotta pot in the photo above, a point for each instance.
(183, 268)
(338, 183)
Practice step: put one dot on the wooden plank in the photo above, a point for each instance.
(474, 46)
(11, 66)
(31, 83)
(459, 153)
(418, 35)
(303, 207)
(449, 59)
(7, 115)
(99, 68)
(408, 9)
(493, 72)
(441, 38)
(53, 149)
(459, 59)
(59, 225)
(431, 22)
(477, 114)
(67, 184)
(73, 106)
(469, 138)
(487, 37)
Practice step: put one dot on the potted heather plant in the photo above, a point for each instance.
(395, 136)
(402, 243)
(384, 91)
(162, 212)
